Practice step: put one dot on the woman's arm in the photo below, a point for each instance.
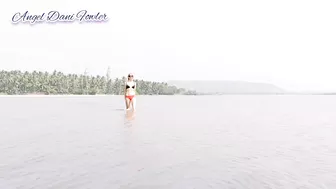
(125, 89)
(135, 89)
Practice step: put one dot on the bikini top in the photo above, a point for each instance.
(127, 86)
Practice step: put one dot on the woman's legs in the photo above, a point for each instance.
(133, 102)
(127, 101)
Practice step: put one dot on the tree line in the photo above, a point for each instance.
(17, 83)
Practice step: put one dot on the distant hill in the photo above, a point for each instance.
(227, 87)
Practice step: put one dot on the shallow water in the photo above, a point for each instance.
(257, 142)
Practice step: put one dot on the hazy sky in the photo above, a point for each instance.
(290, 43)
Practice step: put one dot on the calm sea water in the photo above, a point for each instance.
(257, 142)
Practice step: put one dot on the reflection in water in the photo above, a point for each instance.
(129, 118)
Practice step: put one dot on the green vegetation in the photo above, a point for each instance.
(37, 82)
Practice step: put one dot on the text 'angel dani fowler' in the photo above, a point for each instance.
(55, 16)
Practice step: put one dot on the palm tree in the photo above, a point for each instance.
(17, 82)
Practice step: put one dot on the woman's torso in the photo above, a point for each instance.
(130, 88)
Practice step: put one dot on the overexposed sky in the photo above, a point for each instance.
(289, 43)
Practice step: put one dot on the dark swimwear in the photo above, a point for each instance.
(129, 86)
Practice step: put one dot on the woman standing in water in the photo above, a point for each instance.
(130, 90)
